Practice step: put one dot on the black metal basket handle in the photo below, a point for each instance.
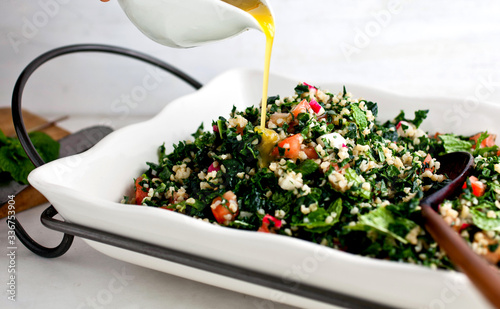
(26, 143)
(168, 254)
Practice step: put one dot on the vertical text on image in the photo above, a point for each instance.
(11, 249)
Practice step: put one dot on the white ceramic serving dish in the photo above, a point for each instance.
(86, 189)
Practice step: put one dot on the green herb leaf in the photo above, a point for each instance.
(351, 175)
(486, 150)
(481, 220)
(317, 222)
(380, 220)
(14, 160)
(482, 137)
(452, 143)
(47, 147)
(359, 117)
(3, 139)
(307, 167)
(300, 89)
(335, 208)
(372, 106)
(14, 164)
(198, 132)
(420, 116)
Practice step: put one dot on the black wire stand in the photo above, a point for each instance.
(71, 230)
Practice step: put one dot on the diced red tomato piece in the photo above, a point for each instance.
(478, 188)
(167, 207)
(436, 135)
(340, 169)
(428, 159)
(291, 145)
(487, 142)
(264, 228)
(310, 152)
(279, 119)
(139, 193)
(225, 212)
(301, 108)
(336, 167)
(266, 221)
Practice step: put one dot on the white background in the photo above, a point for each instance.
(437, 48)
(432, 48)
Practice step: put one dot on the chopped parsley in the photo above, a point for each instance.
(334, 175)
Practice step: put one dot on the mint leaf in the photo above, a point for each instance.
(17, 166)
(3, 139)
(359, 117)
(351, 176)
(335, 208)
(307, 167)
(317, 220)
(47, 147)
(15, 162)
(452, 143)
(481, 220)
(380, 219)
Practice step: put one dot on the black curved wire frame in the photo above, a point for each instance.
(25, 141)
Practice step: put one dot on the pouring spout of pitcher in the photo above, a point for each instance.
(187, 23)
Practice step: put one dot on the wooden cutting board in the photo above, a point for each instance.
(29, 197)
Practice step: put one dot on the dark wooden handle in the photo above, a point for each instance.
(482, 274)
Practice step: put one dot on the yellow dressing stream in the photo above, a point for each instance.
(263, 16)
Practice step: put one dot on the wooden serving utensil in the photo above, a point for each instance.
(457, 166)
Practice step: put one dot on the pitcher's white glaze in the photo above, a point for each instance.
(188, 23)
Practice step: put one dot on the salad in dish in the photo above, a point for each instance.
(324, 169)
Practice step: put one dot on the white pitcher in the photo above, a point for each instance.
(188, 23)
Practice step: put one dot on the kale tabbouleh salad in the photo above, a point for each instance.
(325, 170)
